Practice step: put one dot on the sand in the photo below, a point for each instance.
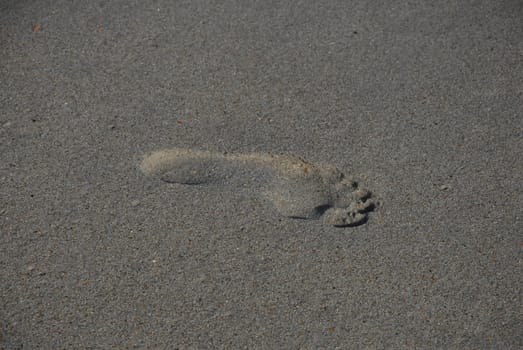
(421, 102)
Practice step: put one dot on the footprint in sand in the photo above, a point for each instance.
(297, 188)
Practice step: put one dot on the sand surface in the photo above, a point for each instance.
(421, 101)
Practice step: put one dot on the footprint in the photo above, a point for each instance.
(298, 189)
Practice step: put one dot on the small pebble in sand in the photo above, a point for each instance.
(135, 203)
(444, 187)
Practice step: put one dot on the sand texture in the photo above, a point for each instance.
(261, 174)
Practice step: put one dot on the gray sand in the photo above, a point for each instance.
(422, 102)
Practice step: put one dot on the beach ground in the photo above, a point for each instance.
(422, 102)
